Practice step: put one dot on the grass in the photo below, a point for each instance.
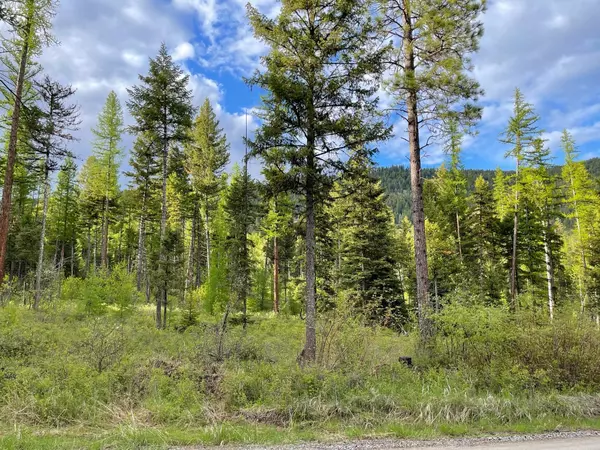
(70, 379)
(125, 437)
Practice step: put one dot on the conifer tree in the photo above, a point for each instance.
(91, 182)
(241, 207)
(430, 61)
(106, 148)
(582, 204)
(320, 76)
(50, 125)
(64, 214)
(32, 21)
(162, 107)
(520, 133)
(483, 255)
(368, 249)
(207, 155)
(145, 164)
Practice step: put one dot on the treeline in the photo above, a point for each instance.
(316, 233)
(396, 182)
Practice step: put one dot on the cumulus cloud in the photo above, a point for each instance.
(183, 51)
(547, 48)
(107, 44)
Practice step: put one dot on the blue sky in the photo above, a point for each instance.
(548, 48)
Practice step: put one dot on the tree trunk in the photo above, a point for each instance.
(418, 213)
(207, 236)
(72, 258)
(162, 295)
(104, 245)
(88, 252)
(40, 266)
(198, 274)
(458, 237)
(582, 280)
(275, 275)
(190, 260)
(549, 274)
(514, 263)
(95, 259)
(12, 153)
(310, 348)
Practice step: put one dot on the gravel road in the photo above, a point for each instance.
(579, 440)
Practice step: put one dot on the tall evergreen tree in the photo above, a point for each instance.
(368, 250)
(32, 21)
(64, 214)
(520, 133)
(51, 126)
(433, 41)
(207, 157)
(106, 148)
(162, 106)
(582, 203)
(146, 168)
(241, 206)
(483, 255)
(320, 76)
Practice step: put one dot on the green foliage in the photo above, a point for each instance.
(61, 368)
(366, 250)
(102, 293)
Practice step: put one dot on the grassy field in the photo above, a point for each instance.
(73, 380)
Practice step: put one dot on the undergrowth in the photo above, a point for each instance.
(64, 368)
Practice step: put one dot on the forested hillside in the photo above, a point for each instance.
(154, 293)
(395, 180)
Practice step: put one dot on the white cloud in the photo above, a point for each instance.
(183, 51)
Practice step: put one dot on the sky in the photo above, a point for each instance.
(550, 49)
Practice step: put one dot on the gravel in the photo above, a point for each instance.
(390, 444)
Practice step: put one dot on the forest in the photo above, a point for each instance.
(161, 295)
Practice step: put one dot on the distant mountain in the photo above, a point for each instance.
(396, 182)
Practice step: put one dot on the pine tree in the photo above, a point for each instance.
(64, 214)
(50, 126)
(207, 157)
(430, 82)
(162, 107)
(582, 203)
(541, 195)
(241, 207)
(106, 149)
(91, 183)
(483, 255)
(320, 76)
(145, 164)
(367, 251)
(520, 134)
(32, 20)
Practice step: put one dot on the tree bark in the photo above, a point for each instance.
(549, 274)
(207, 236)
(72, 258)
(418, 213)
(104, 244)
(88, 252)
(190, 260)
(458, 237)
(161, 300)
(40, 266)
(514, 263)
(582, 281)
(12, 153)
(310, 347)
(275, 275)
